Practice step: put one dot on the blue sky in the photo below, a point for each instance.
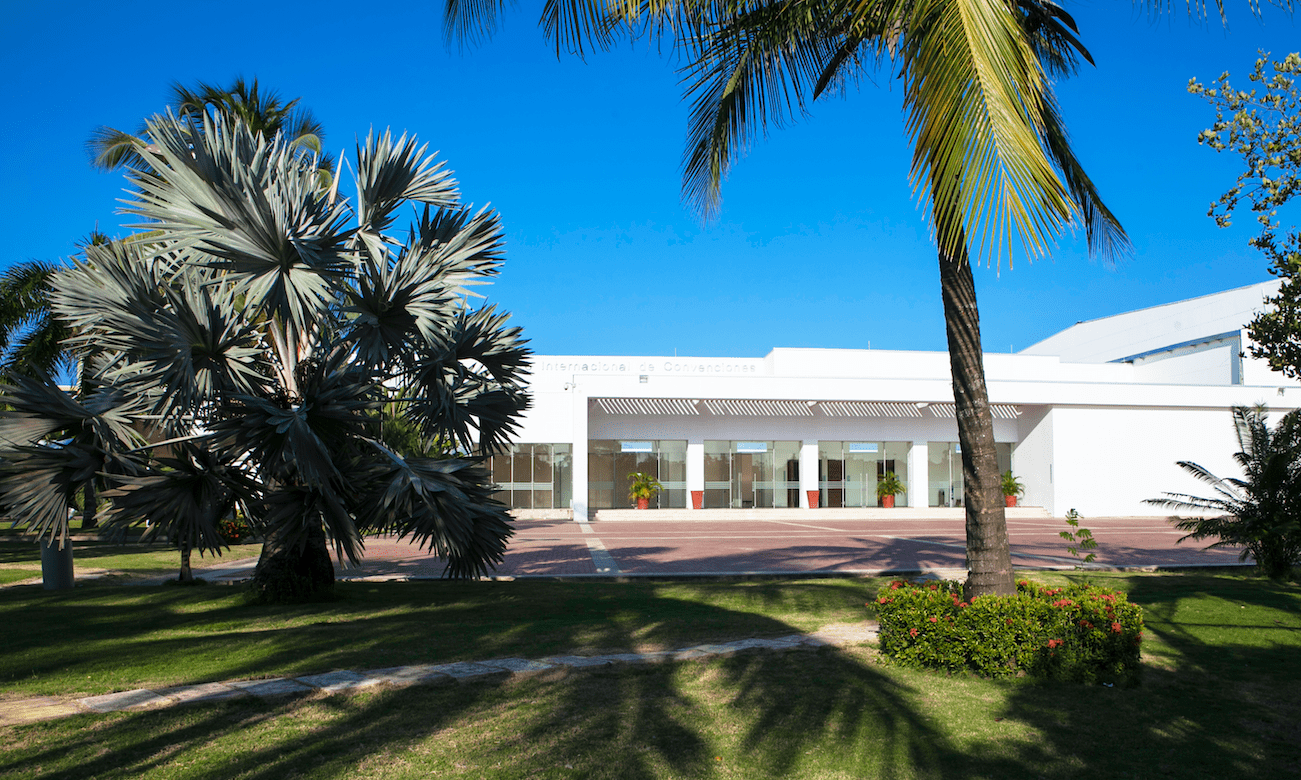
(819, 242)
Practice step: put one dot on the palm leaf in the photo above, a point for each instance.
(446, 505)
(390, 172)
(251, 208)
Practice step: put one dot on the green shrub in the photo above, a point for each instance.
(1081, 633)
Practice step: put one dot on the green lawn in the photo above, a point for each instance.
(20, 559)
(1220, 698)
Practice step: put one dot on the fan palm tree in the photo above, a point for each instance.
(241, 357)
(991, 158)
(261, 110)
(1261, 512)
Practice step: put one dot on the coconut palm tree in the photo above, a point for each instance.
(30, 337)
(991, 158)
(243, 356)
(261, 110)
(1260, 512)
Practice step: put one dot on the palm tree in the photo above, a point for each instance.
(991, 158)
(30, 337)
(1261, 513)
(241, 358)
(262, 111)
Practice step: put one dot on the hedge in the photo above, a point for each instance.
(1081, 633)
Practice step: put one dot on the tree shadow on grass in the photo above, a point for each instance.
(826, 712)
(1224, 710)
(1221, 697)
(72, 642)
(677, 720)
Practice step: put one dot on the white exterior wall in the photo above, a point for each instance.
(1107, 461)
(1092, 435)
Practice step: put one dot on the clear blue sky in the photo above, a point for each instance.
(819, 243)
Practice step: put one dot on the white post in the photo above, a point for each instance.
(808, 472)
(695, 468)
(919, 476)
(579, 501)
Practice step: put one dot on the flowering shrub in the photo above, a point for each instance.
(1076, 632)
(233, 531)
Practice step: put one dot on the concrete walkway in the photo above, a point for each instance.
(557, 666)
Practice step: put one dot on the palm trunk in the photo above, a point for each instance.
(292, 571)
(988, 557)
(186, 574)
(90, 504)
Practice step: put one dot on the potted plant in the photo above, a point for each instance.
(1012, 488)
(642, 488)
(887, 488)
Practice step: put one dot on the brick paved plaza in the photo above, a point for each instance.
(866, 546)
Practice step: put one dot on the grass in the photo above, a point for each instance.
(1221, 696)
(138, 637)
(20, 559)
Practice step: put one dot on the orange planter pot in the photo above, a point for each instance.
(697, 499)
(1011, 500)
(814, 498)
(887, 502)
(643, 503)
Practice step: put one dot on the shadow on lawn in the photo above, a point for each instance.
(764, 715)
(1221, 695)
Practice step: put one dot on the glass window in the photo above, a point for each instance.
(718, 474)
(945, 477)
(752, 474)
(562, 479)
(609, 462)
(848, 471)
(533, 476)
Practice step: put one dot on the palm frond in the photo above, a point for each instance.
(758, 66)
(110, 149)
(181, 497)
(252, 209)
(390, 172)
(474, 387)
(446, 505)
(973, 92)
(1106, 238)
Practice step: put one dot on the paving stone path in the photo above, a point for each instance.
(47, 707)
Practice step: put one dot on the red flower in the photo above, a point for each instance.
(1063, 603)
(1009, 621)
(1054, 643)
(913, 631)
(896, 585)
(934, 619)
(934, 586)
(1085, 624)
(884, 600)
(1117, 628)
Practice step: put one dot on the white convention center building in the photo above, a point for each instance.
(1093, 418)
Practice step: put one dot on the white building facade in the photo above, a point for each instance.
(1093, 418)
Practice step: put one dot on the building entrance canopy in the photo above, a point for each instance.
(742, 407)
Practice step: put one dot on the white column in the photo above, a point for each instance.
(579, 501)
(695, 468)
(919, 477)
(808, 472)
